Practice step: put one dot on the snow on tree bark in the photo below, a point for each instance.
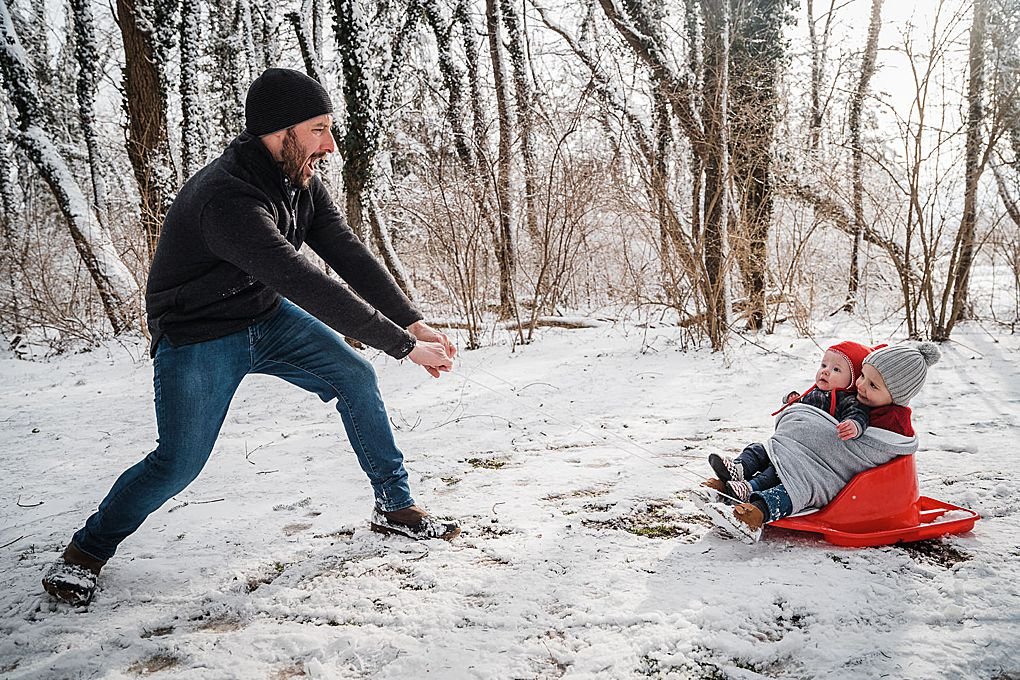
(453, 79)
(503, 235)
(525, 114)
(113, 281)
(86, 53)
(9, 252)
(857, 151)
(193, 148)
(755, 53)
(361, 143)
(964, 247)
(148, 143)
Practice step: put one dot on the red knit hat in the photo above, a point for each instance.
(854, 353)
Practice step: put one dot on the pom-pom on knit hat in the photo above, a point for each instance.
(904, 368)
(282, 97)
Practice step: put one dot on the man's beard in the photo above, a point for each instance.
(293, 159)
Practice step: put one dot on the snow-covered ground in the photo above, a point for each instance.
(570, 464)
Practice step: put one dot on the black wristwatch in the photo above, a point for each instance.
(408, 345)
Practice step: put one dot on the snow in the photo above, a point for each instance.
(547, 453)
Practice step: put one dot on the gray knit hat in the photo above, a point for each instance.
(282, 97)
(904, 367)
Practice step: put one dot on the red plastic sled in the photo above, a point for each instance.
(882, 506)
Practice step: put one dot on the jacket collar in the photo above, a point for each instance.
(253, 153)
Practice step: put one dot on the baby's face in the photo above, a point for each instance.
(834, 373)
(871, 389)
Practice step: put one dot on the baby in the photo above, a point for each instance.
(833, 392)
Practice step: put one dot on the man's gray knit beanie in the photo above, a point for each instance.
(904, 367)
(282, 97)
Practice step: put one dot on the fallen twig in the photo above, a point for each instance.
(187, 503)
(12, 542)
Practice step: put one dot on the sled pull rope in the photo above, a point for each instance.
(579, 426)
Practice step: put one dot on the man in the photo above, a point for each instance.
(229, 294)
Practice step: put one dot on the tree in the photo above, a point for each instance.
(193, 143)
(86, 53)
(525, 114)
(113, 281)
(364, 125)
(706, 132)
(755, 58)
(503, 233)
(857, 152)
(144, 30)
(964, 245)
(819, 51)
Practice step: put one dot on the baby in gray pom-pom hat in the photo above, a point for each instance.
(890, 378)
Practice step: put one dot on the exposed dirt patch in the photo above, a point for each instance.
(156, 632)
(222, 624)
(154, 664)
(268, 576)
(486, 463)
(295, 671)
(592, 492)
(935, 551)
(296, 528)
(656, 519)
(340, 534)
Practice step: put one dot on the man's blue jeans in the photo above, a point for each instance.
(194, 385)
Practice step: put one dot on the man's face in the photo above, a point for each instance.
(303, 146)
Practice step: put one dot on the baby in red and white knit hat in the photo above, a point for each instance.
(835, 388)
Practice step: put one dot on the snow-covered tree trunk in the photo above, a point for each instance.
(525, 113)
(9, 249)
(361, 143)
(964, 247)
(86, 53)
(755, 54)
(479, 126)
(148, 143)
(265, 35)
(716, 208)
(113, 281)
(246, 31)
(318, 20)
(384, 244)
(503, 241)
(453, 79)
(230, 73)
(819, 51)
(857, 151)
(193, 146)
(362, 138)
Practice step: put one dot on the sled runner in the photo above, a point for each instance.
(882, 506)
(721, 515)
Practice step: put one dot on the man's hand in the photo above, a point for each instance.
(426, 333)
(848, 429)
(432, 357)
(790, 397)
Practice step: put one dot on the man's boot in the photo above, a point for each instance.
(413, 522)
(72, 578)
